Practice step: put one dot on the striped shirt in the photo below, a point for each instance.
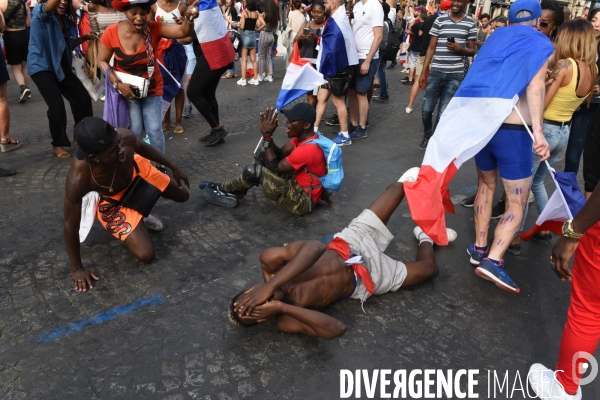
(99, 21)
(444, 27)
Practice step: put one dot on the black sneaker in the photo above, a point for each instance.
(351, 128)
(407, 82)
(359, 133)
(25, 94)
(7, 172)
(498, 210)
(205, 138)
(514, 249)
(404, 80)
(219, 134)
(218, 198)
(423, 144)
(213, 185)
(333, 121)
(381, 99)
(468, 202)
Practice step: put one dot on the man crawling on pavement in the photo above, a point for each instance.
(306, 276)
(112, 176)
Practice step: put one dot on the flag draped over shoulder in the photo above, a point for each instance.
(211, 30)
(336, 46)
(501, 72)
(300, 78)
(564, 204)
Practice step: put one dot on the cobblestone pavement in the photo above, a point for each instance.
(183, 347)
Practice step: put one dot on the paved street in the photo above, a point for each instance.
(161, 331)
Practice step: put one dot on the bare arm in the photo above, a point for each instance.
(184, 29)
(468, 51)
(295, 319)
(428, 58)
(557, 75)
(28, 17)
(535, 100)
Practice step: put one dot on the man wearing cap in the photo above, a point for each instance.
(116, 165)
(288, 175)
(453, 38)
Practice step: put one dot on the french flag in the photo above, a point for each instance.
(300, 78)
(336, 47)
(171, 87)
(211, 30)
(501, 72)
(564, 204)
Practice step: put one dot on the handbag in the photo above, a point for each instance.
(137, 81)
(95, 89)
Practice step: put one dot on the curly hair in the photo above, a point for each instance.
(235, 318)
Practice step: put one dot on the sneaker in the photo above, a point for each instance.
(268, 78)
(545, 385)
(215, 196)
(218, 135)
(468, 202)
(7, 172)
(476, 254)
(153, 223)
(187, 111)
(253, 82)
(260, 78)
(410, 175)
(420, 235)
(498, 210)
(405, 81)
(213, 185)
(489, 270)
(514, 249)
(405, 71)
(102, 98)
(545, 239)
(408, 110)
(351, 128)
(531, 197)
(359, 133)
(242, 82)
(382, 99)
(333, 121)
(24, 95)
(342, 140)
(423, 144)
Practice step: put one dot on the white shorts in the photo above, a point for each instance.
(368, 237)
(412, 59)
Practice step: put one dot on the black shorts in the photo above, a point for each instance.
(17, 45)
(591, 161)
(339, 83)
(3, 71)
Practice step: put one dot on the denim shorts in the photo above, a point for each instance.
(362, 83)
(412, 59)
(248, 39)
(189, 49)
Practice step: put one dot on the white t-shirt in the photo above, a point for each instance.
(366, 16)
(392, 15)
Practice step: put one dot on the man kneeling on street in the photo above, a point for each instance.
(306, 276)
(117, 186)
(288, 175)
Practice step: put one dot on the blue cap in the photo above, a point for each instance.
(533, 6)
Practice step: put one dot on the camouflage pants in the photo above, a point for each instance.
(284, 190)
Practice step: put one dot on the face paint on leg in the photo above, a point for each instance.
(476, 198)
(500, 242)
(482, 234)
(511, 217)
(518, 191)
(516, 233)
(478, 209)
(482, 190)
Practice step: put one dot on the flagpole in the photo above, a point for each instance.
(528, 131)
(261, 139)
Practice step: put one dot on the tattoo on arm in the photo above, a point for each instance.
(559, 66)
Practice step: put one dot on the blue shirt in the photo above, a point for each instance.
(47, 43)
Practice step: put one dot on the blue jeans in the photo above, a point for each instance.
(383, 91)
(146, 114)
(440, 86)
(557, 137)
(582, 122)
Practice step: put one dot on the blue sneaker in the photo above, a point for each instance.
(476, 255)
(359, 133)
(342, 140)
(351, 128)
(213, 185)
(488, 270)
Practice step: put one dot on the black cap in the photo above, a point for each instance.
(301, 111)
(93, 135)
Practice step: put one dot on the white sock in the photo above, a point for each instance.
(316, 129)
(424, 238)
(345, 134)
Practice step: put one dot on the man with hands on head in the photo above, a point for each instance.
(110, 161)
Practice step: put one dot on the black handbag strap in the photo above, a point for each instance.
(14, 11)
(117, 202)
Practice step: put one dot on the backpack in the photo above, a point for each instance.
(384, 38)
(333, 155)
(393, 45)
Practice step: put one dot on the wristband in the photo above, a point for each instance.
(267, 137)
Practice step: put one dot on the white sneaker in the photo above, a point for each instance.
(102, 98)
(408, 110)
(404, 71)
(420, 235)
(241, 82)
(253, 82)
(260, 78)
(153, 223)
(410, 175)
(531, 197)
(545, 385)
(268, 78)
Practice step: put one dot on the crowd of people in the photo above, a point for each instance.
(145, 48)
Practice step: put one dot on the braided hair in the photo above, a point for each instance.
(557, 11)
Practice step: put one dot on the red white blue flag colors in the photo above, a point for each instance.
(564, 204)
(501, 72)
(211, 30)
(300, 78)
(336, 46)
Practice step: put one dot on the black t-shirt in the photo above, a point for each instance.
(417, 41)
(426, 27)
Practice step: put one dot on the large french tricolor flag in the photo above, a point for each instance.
(300, 78)
(336, 47)
(502, 70)
(564, 204)
(211, 30)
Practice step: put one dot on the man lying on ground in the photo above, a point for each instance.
(306, 276)
(288, 175)
(106, 163)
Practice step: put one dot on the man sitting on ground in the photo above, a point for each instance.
(288, 175)
(106, 163)
(306, 276)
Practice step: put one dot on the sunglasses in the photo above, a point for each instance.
(545, 24)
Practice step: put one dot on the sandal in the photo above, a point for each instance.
(9, 144)
(178, 131)
(166, 128)
(227, 76)
(63, 155)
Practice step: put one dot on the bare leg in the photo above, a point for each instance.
(244, 62)
(482, 206)
(322, 97)
(4, 113)
(388, 201)
(414, 90)
(254, 62)
(187, 82)
(167, 120)
(411, 74)
(18, 74)
(175, 193)
(424, 269)
(363, 109)
(179, 102)
(517, 193)
(139, 244)
(340, 105)
(353, 104)
(311, 99)
(25, 73)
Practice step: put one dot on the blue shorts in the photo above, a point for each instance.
(248, 39)
(362, 83)
(189, 49)
(510, 150)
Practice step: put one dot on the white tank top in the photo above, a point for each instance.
(165, 16)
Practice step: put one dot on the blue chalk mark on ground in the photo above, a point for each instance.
(74, 327)
(326, 239)
(468, 189)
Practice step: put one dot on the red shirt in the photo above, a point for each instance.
(310, 156)
(136, 63)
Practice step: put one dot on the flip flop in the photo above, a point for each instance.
(166, 128)
(63, 155)
(178, 131)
